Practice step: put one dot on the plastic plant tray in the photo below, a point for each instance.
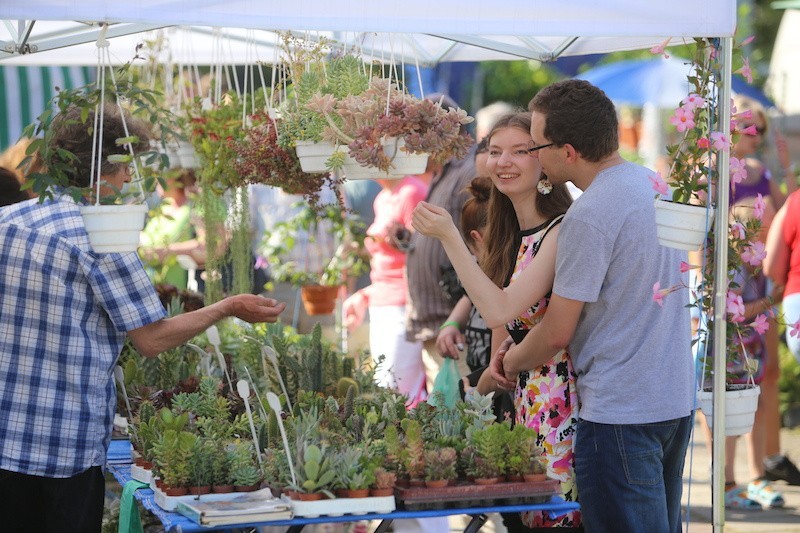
(466, 494)
(342, 506)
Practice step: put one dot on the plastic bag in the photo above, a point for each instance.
(446, 383)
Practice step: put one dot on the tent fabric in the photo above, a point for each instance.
(451, 30)
(27, 91)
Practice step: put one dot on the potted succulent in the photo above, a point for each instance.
(222, 483)
(201, 466)
(520, 447)
(319, 285)
(314, 473)
(489, 453)
(172, 454)
(384, 482)
(440, 466)
(352, 473)
(80, 172)
(244, 471)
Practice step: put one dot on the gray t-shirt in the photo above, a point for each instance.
(633, 357)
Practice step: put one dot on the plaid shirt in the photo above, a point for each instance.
(64, 311)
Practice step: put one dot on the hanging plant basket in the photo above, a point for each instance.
(319, 299)
(682, 226)
(113, 228)
(314, 155)
(403, 163)
(740, 407)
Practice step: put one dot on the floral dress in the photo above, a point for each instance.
(546, 398)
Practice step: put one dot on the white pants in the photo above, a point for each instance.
(402, 367)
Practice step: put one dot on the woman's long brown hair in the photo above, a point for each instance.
(502, 233)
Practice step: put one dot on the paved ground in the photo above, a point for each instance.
(697, 486)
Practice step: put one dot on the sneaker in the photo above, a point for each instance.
(736, 498)
(761, 492)
(781, 469)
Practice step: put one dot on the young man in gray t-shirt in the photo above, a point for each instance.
(632, 357)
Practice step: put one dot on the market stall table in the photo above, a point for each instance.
(119, 466)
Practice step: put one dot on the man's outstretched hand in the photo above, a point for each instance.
(253, 308)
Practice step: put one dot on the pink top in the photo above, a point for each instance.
(388, 264)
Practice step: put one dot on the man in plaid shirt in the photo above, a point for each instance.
(64, 314)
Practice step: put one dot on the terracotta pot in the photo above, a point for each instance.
(534, 477)
(402, 483)
(176, 491)
(200, 489)
(246, 488)
(340, 493)
(221, 489)
(514, 478)
(381, 492)
(416, 482)
(486, 480)
(139, 461)
(147, 465)
(436, 483)
(319, 299)
(291, 493)
(159, 483)
(309, 496)
(357, 493)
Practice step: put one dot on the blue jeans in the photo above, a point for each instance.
(629, 476)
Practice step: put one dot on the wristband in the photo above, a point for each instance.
(450, 323)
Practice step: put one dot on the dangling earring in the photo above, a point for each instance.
(544, 186)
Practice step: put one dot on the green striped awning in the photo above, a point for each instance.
(25, 92)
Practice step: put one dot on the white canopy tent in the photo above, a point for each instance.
(429, 32)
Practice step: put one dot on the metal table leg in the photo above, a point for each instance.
(476, 523)
(384, 525)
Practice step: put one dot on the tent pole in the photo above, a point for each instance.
(721, 289)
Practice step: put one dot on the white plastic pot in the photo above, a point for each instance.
(741, 402)
(682, 226)
(314, 155)
(113, 228)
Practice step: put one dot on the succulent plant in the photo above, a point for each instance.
(440, 463)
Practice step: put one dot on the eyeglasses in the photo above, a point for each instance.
(532, 148)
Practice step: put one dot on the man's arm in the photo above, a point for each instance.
(154, 338)
(546, 339)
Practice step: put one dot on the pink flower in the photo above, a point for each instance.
(746, 71)
(686, 267)
(703, 143)
(754, 254)
(734, 306)
(658, 295)
(760, 324)
(794, 330)
(702, 195)
(738, 170)
(693, 101)
(658, 183)
(747, 114)
(659, 49)
(683, 119)
(748, 40)
(720, 141)
(758, 207)
(737, 231)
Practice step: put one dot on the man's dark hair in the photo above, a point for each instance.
(578, 113)
(9, 188)
(72, 134)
